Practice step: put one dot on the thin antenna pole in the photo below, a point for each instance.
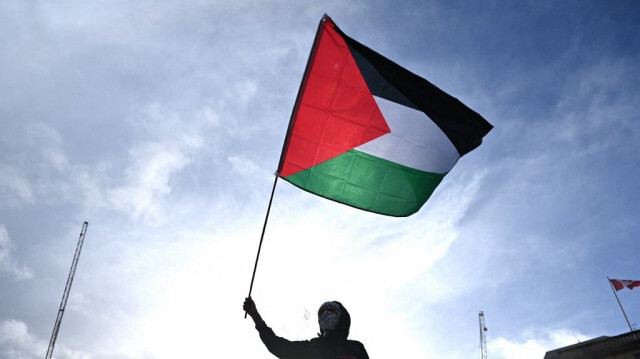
(67, 289)
(483, 340)
(264, 227)
(622, 309)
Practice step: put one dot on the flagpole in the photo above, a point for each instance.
(618, 299)
(264, 227)
(285, 145)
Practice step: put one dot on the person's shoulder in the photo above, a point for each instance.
(354, 344)
(359, 348)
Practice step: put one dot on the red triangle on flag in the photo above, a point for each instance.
(337, 111)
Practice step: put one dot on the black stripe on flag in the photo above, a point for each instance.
(463, 126)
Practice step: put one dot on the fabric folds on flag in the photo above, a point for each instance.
(620, 284)
(370, 134)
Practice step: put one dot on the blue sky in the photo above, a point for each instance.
(161, 124)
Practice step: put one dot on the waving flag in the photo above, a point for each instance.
(370, 134)
(620, 284)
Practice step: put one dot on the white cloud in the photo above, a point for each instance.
(47, 141)
(14, 186)
(245, 90)
(7, 263)
(535, 346)
(153, 163)
(16, 342)
(147, 179)
(314, 250)
(246, 167)
(596, 108)
(32, 165)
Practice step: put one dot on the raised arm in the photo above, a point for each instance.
(278, 346)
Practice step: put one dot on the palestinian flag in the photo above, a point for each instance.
(370, 134)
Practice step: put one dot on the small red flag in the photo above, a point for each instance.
(619, 284)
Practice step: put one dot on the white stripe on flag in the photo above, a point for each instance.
(414, 141)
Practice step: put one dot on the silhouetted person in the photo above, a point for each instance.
(331, 343)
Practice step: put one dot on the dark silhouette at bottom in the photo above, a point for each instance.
(331, 343)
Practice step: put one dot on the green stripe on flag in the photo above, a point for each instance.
(370, 183)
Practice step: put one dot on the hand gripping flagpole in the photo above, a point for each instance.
(264, 227)
(623, 313)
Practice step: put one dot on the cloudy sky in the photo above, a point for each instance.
(161, 124)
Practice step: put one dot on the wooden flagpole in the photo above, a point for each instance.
(264, 227)
(618, 299)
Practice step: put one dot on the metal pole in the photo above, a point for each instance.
(623, 313)
(67, 289)
(483, 340)
(264, 227)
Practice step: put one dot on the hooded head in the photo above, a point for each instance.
(334, 320)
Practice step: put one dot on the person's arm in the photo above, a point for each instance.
(278, 346)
